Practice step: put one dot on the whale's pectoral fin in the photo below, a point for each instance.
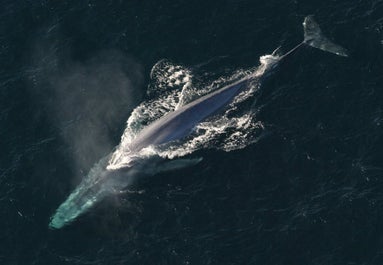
(129, 191)
(315, 38)
(178, 164)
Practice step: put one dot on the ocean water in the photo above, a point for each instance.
(305, 188)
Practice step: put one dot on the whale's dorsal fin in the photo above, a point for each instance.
(315, 38)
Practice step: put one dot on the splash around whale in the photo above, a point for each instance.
(187, 125)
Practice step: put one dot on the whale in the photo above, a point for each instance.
(105, 179)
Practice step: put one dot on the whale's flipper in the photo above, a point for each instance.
(315, 38)
(178, 164)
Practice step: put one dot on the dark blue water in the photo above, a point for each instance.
(310, 192)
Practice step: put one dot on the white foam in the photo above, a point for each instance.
(173, 87)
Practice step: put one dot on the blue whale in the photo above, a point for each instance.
(103, 180)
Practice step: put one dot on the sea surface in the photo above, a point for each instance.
(305, 188)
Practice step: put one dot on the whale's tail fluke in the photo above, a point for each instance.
(315, 38)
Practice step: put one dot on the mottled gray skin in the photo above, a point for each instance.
(179, 123)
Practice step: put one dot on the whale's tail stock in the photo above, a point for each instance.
(314, 37)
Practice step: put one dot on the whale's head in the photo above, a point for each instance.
(103, 181)
(81, 199)
(98, 184)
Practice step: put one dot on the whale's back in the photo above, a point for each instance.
(179, 123)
